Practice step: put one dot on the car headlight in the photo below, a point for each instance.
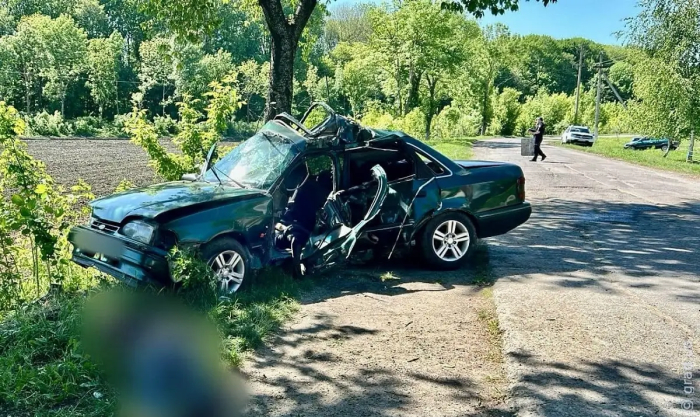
(139, 231)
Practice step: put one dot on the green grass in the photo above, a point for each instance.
(45, 371)
(456, 148)
(613, 148)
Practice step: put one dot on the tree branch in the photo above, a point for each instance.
(301, 16)
(275, 18)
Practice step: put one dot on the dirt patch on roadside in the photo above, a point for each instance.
(386, 340)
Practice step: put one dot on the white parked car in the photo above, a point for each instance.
(578, 134)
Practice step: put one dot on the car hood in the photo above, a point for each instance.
(154, 200)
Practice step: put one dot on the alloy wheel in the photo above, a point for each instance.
(229, 268)
(451, 240)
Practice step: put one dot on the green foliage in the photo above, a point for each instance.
(556, 109)
(36, 215)
(45, 124)
(43, 368)
(506, 112)
(103, 60)
(124, 185)
(194, 136)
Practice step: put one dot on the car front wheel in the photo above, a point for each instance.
(448, 241)
(229, 261)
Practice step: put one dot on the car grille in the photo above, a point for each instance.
(103, 226)
(581, 137)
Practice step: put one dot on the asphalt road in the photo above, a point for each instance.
(598, 295)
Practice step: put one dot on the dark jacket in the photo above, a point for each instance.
(539, 131)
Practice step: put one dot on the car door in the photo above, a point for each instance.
(413, 189)
(333, 246)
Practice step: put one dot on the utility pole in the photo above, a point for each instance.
(689, 156)
(597, 96)
(614, 90)
(578, 83)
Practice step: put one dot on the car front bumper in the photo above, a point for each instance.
(502, 220)
(129, 261)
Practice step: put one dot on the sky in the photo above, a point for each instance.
(596, 20)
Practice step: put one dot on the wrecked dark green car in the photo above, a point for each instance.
(387, 190)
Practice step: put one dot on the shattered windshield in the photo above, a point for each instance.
(255, 163)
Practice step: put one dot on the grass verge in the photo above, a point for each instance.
(613, 148)
(44, 370)
(456, 148)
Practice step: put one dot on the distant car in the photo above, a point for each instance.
(646, 142)
(579, 135)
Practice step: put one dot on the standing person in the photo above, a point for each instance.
(538, 132)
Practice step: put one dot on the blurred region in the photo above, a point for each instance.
(161, 357)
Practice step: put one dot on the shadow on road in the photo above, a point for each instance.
(374, 391)
(611, 387)
(647, 243)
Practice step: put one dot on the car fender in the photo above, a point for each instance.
(420, 226)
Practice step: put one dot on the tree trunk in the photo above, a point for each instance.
(280, 91)
(412, 100)
(284, 34)
(485, 109)
(27, 85)
(432, 83)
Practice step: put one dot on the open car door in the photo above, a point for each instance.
(333, 244)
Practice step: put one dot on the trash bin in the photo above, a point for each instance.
(527, 147)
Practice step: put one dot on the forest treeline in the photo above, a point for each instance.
(77, 67)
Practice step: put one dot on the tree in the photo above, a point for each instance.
(127, 18)
(26, 55)
(90, 15)
(667, 80)
(103, 59)
(347, 24)
(253, 86)
(193, 19)
(65, 45)
(156, 68)
(7, 22)
(478, 7)
(506, 109)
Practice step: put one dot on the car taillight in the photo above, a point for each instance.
(521, 188)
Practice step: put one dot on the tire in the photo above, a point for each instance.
(664, 148)
(230, 262)
(437, 251)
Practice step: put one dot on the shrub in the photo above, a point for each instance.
(36, 214)
(46, 124)
(88, 126)
(165, 125)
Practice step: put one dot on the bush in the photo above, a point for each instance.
(88, 126)
(455, 122)
(165, 125)
(117, 128)
(45, 124)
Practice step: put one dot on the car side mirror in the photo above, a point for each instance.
(189, 177)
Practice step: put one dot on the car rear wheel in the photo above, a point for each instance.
(448, 241)
(229, 261)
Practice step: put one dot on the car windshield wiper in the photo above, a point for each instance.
(214, 169)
